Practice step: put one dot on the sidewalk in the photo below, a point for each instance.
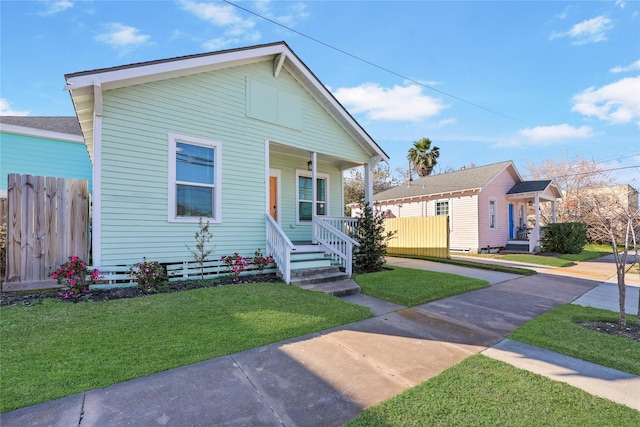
(329, 377)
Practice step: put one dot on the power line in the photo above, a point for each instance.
(373, 64)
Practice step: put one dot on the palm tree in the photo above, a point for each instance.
(421, 158)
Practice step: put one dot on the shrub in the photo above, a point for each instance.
(235, 264)
(565, 237)
(370, 233)
(72, 275)
(260, 261)
(148, 274)
(201, 253)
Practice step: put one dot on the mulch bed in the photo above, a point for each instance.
(631, 331)
(26, 298)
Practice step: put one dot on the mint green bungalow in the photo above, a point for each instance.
(248, 139)
(42, 146)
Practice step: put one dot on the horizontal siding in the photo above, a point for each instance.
(497, 189)
(29, 155)
(464, 223)
(136, 122)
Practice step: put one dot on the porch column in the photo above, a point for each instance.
(368, 184)
(553, 211)
(314, 190)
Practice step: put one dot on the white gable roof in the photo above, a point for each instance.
(86, 87)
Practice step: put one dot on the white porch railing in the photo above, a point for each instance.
(279, 247)
(335, 242)
(344, 224)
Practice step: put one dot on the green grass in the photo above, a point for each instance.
(484, 392)
(56, 349)
(472, 264)
(538, 259)
(409, 287)
(558, 330)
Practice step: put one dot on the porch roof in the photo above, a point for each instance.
(531, 188)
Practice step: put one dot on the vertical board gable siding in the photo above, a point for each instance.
(136, 122)
(496, 189)
(30, 155)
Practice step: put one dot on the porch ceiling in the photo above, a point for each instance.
(343, 164)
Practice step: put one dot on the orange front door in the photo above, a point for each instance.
(273, 197)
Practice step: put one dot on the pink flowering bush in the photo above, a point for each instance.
(72, 275)
(235, 264)
(148, 274)
(260, 261)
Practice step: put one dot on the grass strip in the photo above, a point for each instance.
(585, 255)
(480, 391)
(409, 287)
(538, 260)
(56, 349)
(472, 264)
(558, 330)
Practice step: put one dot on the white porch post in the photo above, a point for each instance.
(535, 235)
(368, 184)
(553, 211)
(314, 190)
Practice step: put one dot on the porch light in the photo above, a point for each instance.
(309, 165)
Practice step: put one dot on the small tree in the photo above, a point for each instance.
(369, 231)
(614, 221)
(201, 253)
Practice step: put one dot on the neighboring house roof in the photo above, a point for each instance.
(86, 87)
(447, 183)
(48, 127)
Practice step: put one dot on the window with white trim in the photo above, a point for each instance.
(492, 214)
(194, 179)
(442, 208)
(304, 195)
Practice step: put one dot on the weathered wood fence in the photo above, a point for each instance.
(3, 236)
(47, 222)
(427, 236)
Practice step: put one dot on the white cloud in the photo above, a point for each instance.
(122, 36)
(617, 102)
(53, 7)
(589, 31)
(632, 67)
(5, 109)
(294, 12)
(399, 103)
(547, 135)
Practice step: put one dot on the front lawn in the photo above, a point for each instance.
(57, 348)
(409, 287)
(558, 330)
(480, 391)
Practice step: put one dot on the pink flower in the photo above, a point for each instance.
(74, 258)
(72, 281)
(54, 275)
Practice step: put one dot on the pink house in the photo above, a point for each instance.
(489, 207)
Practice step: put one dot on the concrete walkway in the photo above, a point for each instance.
(327, 378)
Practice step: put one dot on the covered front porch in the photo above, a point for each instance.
(307, 235)
(532, 204)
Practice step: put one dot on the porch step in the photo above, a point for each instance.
(329, 280)
(516, 247)
(309, 258)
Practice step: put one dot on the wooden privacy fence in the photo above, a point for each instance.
(3, 236)
(47, 221)
(427, 236)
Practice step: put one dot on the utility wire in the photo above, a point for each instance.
(372, 63)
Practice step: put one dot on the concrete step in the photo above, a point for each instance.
(306, 264)
(337, 288)
(511, 247)
(318, 278)
(307, 272)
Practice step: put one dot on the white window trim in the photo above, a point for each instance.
(448, 202)
(217, 201)
(308, 174)
(495, 213)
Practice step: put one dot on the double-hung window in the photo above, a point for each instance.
(304, 195)
(194, 179)
(492, 214)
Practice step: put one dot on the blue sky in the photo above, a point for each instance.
(485, 81)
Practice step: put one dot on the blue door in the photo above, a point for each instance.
(512, 233)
